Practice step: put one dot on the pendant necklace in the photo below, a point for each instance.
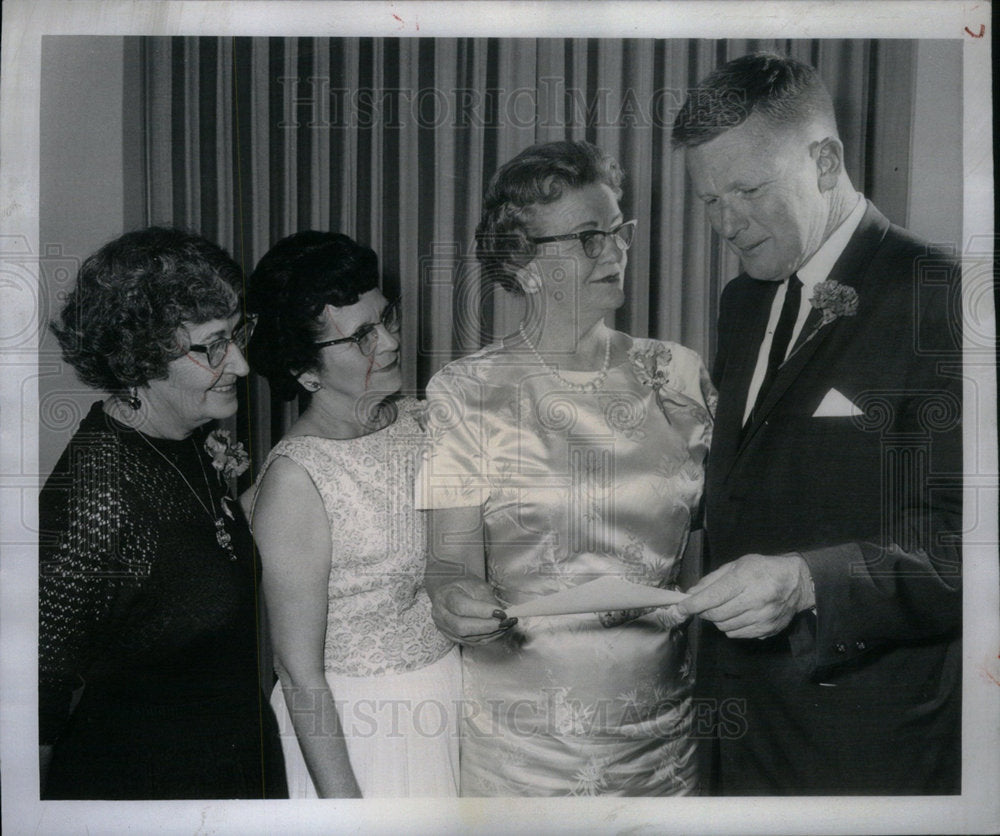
(591, 385)
(222, 537)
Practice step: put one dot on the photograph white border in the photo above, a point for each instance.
(24, 24)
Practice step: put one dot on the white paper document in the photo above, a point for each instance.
(601, 595)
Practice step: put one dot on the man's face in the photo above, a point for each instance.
(760, 186)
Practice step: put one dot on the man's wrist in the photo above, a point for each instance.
(807, 587)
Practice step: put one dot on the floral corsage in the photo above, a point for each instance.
(228, 459)
(418, 412)
(651, 365)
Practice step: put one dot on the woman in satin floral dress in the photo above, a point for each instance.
(565, 452)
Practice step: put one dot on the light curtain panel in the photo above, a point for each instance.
(392, 141)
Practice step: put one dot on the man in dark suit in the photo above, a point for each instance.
(833, 500)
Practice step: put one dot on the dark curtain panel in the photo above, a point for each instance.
(393, 140)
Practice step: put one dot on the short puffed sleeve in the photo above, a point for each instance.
(693, 378)
(453, 466)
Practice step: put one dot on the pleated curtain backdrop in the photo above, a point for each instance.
(392, 141)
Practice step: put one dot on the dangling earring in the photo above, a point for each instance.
(133, 399)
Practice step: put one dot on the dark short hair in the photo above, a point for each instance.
(538, 175)
(291, 285)
(782, 90)
(119, 326)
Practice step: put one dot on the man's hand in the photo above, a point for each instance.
(466, 611)
(751, 598)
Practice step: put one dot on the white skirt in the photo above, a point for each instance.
(401, 731)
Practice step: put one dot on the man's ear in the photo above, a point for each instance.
(829, 156)
(529, 278)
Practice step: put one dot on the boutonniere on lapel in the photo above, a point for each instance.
(833, 300)
(228, 459)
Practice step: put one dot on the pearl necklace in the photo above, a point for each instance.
(588, 387)
(222, 537)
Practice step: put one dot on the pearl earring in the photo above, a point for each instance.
(531, 283)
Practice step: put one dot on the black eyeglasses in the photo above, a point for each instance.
(217, 350)
(594, 240)
(366, 337)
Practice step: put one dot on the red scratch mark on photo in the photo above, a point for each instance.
(984, 670)
(982, 31)
(402, 22)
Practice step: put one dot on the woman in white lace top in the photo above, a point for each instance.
(371, 684)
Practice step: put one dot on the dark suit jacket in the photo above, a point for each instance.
(862, 696)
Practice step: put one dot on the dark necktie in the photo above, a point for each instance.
(782, 335)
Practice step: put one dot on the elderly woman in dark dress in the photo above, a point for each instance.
(148, 581)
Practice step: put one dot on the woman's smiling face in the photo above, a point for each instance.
(193, 393)
(344, 369)
(569, 277)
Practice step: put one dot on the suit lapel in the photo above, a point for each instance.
(850, 269)
(808, 327)
(736, 376)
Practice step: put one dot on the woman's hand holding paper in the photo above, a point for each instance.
(466, 611)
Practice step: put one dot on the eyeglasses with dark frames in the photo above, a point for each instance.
(366, 337)
(217, 350)
(595, 240)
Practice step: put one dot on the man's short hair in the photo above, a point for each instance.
(786, 92)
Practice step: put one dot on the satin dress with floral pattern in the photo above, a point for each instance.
(575, 485)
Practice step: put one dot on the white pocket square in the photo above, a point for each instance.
(836, 405)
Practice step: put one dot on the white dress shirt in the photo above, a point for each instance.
(814, 271)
